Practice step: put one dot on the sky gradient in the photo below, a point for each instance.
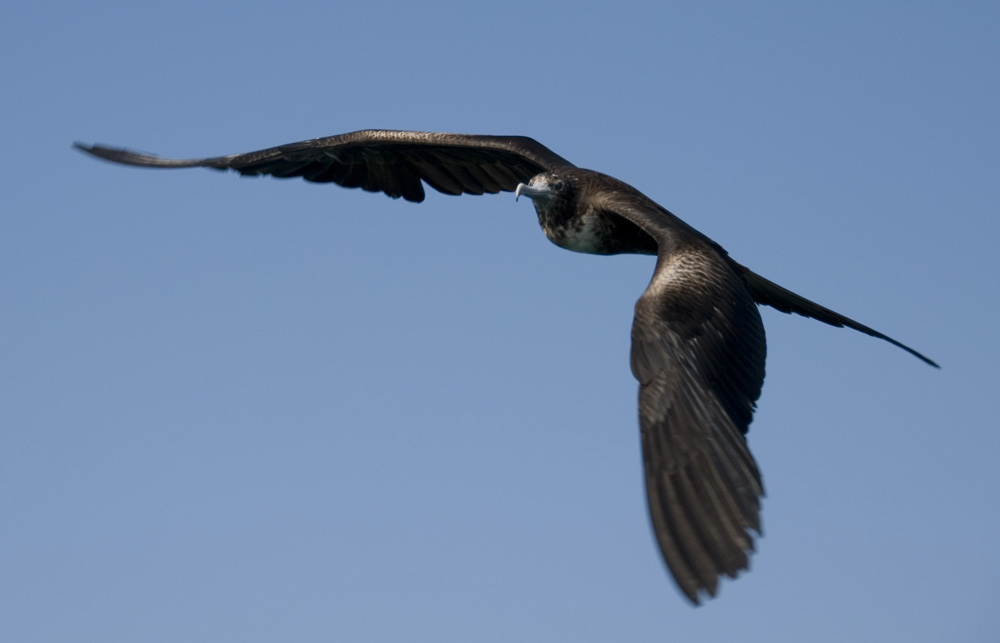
(258, 410)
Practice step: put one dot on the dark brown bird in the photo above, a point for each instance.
(697, 338)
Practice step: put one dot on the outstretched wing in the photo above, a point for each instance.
(698, 352)
(388, 161)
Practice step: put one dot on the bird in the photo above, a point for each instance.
(698, 346)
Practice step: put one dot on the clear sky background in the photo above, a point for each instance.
(260, 410)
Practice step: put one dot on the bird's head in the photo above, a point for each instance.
(554, 197)
(562, 213)
(544, 188)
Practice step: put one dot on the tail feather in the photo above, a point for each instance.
(771, 294)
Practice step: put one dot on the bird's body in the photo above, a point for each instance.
(698, 343)
(575, 221)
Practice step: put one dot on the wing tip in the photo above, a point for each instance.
(142, 159)
(106, 153)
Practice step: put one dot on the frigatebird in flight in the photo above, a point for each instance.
(697, 338)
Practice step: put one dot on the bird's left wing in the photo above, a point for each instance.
(389, 161)
(698, 352)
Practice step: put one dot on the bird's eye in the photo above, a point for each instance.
(559, 185)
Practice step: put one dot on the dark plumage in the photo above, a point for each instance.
(697, 340)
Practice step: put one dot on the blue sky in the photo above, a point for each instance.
(258, 410)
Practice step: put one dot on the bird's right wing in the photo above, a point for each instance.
(389, 161)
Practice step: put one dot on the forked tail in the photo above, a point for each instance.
(771, 294)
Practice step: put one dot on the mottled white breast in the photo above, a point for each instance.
(581, 234)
